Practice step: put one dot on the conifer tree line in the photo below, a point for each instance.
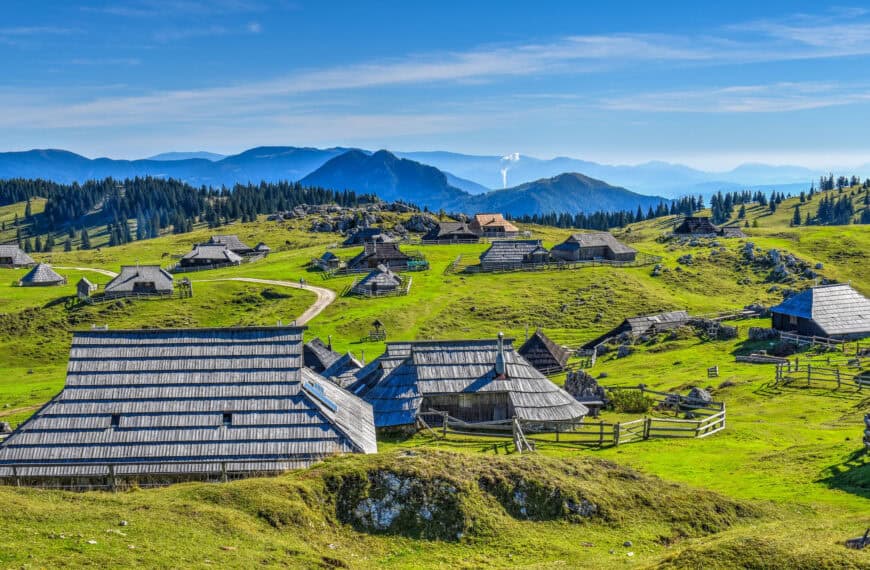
(603, 220)
(156, 205)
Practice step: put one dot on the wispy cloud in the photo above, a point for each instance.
(772, 98)
(108, 61)
(164, 8)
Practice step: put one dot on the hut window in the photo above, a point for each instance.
(465, 401)
(228, 419)
(116, 420)
(792, 320)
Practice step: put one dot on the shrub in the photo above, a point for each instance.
(630, 401)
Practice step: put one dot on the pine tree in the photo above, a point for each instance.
(796, 219)
(67, 245)
(86, 239)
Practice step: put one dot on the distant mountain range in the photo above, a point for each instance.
(394, 178)
(436, 179)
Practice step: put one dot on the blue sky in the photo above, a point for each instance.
(617, 82)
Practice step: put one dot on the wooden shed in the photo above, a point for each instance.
(42, 275)
(544, 354)
(377, 253)
(513, 254)
(233, 243)
(365, 235)
(140, 280)
(696, 225)
(328, 262)
(835, 311)
(381, 281)
(644, 324)
(472, 380)
(210, 255)
(493, 226)
(187, 403)
(13, 256)
(318, 356)
(84, 288)
(591, 246)
(452, 232)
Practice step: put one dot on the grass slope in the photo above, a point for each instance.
(791, 454)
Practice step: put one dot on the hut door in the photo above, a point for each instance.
(499, 412)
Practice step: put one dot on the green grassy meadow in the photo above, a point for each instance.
(790, 457)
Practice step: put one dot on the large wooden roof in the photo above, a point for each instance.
(159, 401)
(836, 309)
(413, 370)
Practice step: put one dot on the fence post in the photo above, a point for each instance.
(444, 424)
(600, 433)
(112, 482)
(646, 425)
(616, 434)
(15, 474)
(809, 373)
(557, 433)
(224, 471)
(837, 371)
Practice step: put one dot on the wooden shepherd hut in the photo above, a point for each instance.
(696, 225)
(644, 324)
(472, 380)
(187, 403)
(544, 354)
(319, 356)
(591, 246)
(42, 275)
(84, 288)
(513, 254)
(493, 226)
(14, 257)
(381, 281)
(452, 232)
(834, 311)
(377, 253)
(210, 255)
(233, 243)
(140, 280)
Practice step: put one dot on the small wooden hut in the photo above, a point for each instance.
(696, 225)
(14, 257)
(84, 288)
(513, 254)
(139, 281)
(381, 281)
(209, 255)
(835, 311)
(452, 232)
(644, 324)
(591, 246)
(233, 243)
(493, 226)
(377, 253)
(544, 354)
(365, 235)
(42, 275)
(319, 356)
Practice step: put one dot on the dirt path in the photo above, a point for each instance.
(105, 272)
(324, 296)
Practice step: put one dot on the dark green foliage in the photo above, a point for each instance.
(630, 401)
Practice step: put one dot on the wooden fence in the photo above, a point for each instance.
(867, 431)
(526, 435)
(642, 260)
(809, 374)
(400, 291)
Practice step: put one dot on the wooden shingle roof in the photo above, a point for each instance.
(836, 309)
(166, 401)
(493, 221)
(130, 275)
(421, 368)
(597, 239)
(231, 241)
(42, 274)
(213, 253)
(16, 254)
(511, 251)
(544, 354)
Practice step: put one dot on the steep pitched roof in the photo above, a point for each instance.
(366, 234)
(17, 256)
(318, 356)
(696, 225)
(382, 277)
(544, 354)
(600, 239)
(141, 399)
(216, 253)
(836, 309)
(447, 230)
(43, 274)
(456, 367)
(641, 324)
(380, 251)
(130, 275)
(493, 220)
(511, 251)
(231, 241)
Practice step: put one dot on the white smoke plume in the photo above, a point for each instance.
(506, 165)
